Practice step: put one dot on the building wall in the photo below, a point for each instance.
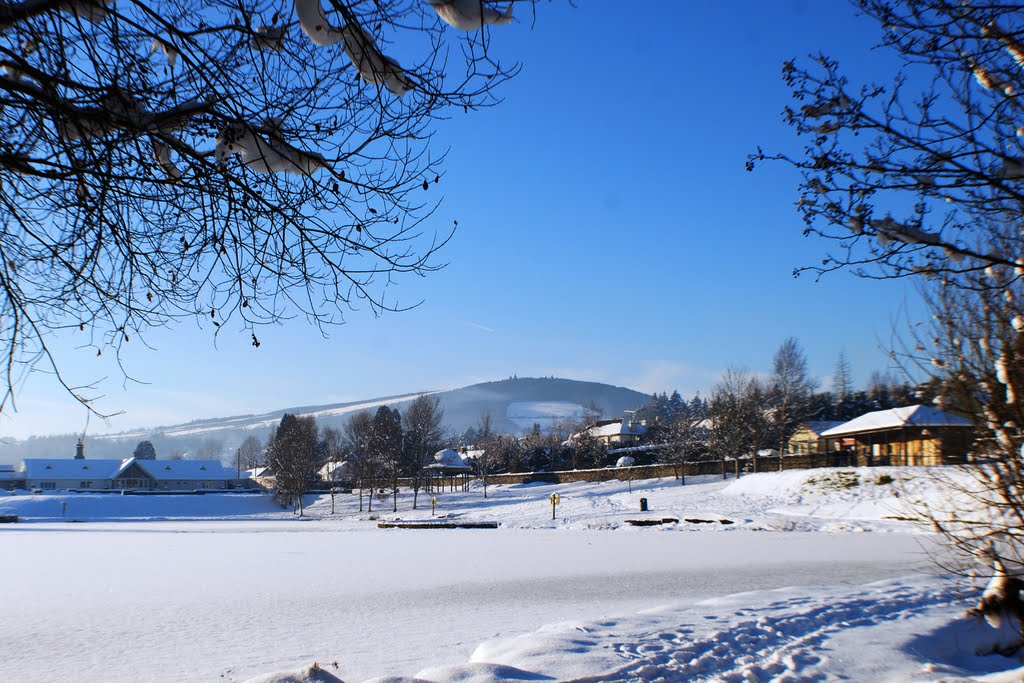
(109, 484)
(58, 484)
(805, 441)
(914, 446)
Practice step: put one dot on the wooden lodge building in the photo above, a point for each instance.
(913, 435)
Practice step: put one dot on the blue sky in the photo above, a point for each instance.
(608, 232)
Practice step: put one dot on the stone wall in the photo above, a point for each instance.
(690, 469)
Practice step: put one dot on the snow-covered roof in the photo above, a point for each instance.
(195, 470)
(819, 426)
(617, 428)
(897, 418)
(449, 458)
(256, 473)
(335, 470)
(62, 468)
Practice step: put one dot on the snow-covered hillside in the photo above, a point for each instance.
(550, 415)
(815, 578)
(514, 405)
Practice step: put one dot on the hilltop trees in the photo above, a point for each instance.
(222, 161)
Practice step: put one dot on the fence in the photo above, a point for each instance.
(690, 469)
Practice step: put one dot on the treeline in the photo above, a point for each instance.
(378, 449)
(746, 414)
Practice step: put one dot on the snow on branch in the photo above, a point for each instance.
(470, 15)
(315, 25)
(269, 154)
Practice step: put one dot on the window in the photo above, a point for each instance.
(48, 485)
(85, 485)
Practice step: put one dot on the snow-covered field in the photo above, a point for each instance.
(796, 576)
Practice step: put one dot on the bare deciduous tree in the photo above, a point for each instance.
(790, 392)
(922, 177)
(424, 429)
(358, 434)
(686, 440)
(222, 161)
(739, 425)
(248, 454)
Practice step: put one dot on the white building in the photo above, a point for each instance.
(130, 474)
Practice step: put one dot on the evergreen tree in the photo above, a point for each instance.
(386, 447)
(145, 451)
(291, 454)
(842, 385)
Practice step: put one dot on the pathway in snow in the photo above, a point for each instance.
(781, 641)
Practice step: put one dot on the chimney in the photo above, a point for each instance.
(80, 450)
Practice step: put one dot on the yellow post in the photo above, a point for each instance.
(433, 505)
(555, 500)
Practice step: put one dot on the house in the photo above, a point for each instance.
(913, 435)
(337, 473)
(807, 438)
(46, 474)
(11, 479)
(259, 477)
(619, 433)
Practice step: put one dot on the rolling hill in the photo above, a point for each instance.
(514, 404)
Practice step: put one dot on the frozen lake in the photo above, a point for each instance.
(218, 600)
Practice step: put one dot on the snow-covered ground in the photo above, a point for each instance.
(796, 576)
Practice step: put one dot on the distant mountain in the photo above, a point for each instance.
(514, 404)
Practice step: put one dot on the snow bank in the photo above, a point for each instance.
(899, 630)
